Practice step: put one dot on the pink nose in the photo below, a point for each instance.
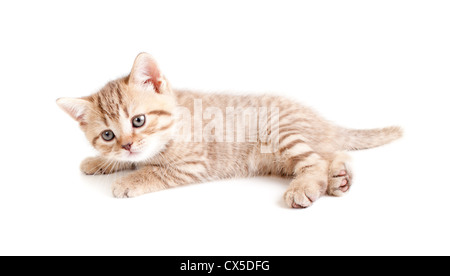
(127, 146)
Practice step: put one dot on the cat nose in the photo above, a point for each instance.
(127, 146)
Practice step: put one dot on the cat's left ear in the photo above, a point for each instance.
(146, 73)
(76, 108)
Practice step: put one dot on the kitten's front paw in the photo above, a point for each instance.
(123, 188)
(93, 165)
(97, 165)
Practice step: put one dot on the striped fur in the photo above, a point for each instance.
(310, 150)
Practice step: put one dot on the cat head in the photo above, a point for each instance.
(131, 118)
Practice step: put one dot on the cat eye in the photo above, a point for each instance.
(108, 135)
(138, 121)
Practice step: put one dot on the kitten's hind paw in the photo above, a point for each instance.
(301, 197)
(339, 182)
(339, 175)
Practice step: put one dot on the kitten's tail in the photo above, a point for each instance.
(355, 139)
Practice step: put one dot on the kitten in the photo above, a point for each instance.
(135, 122)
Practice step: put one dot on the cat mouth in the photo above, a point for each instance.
(133, 153)
(133, 156)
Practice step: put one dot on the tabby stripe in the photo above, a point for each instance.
(175, 178)
(300, 157)
(162, 180)
(117, 110)
(102, 112)
(283, 137)
(149, 129)
(203, 176)
(159, 113)
(164, 127)
(296, 163)
(290, 145)
(281, 117)
(284, 113)
(119, 95)
(192, 176)
(288, 129)
(293, 123)
(94, 141)
(309, 162)
(194, 163)
(283, 128)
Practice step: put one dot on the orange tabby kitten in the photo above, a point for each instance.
(135, 122)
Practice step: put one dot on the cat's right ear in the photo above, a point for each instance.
(76, 108)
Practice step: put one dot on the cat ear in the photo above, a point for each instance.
(146, 73)
(76, 108)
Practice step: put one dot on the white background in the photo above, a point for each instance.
(362, 64)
